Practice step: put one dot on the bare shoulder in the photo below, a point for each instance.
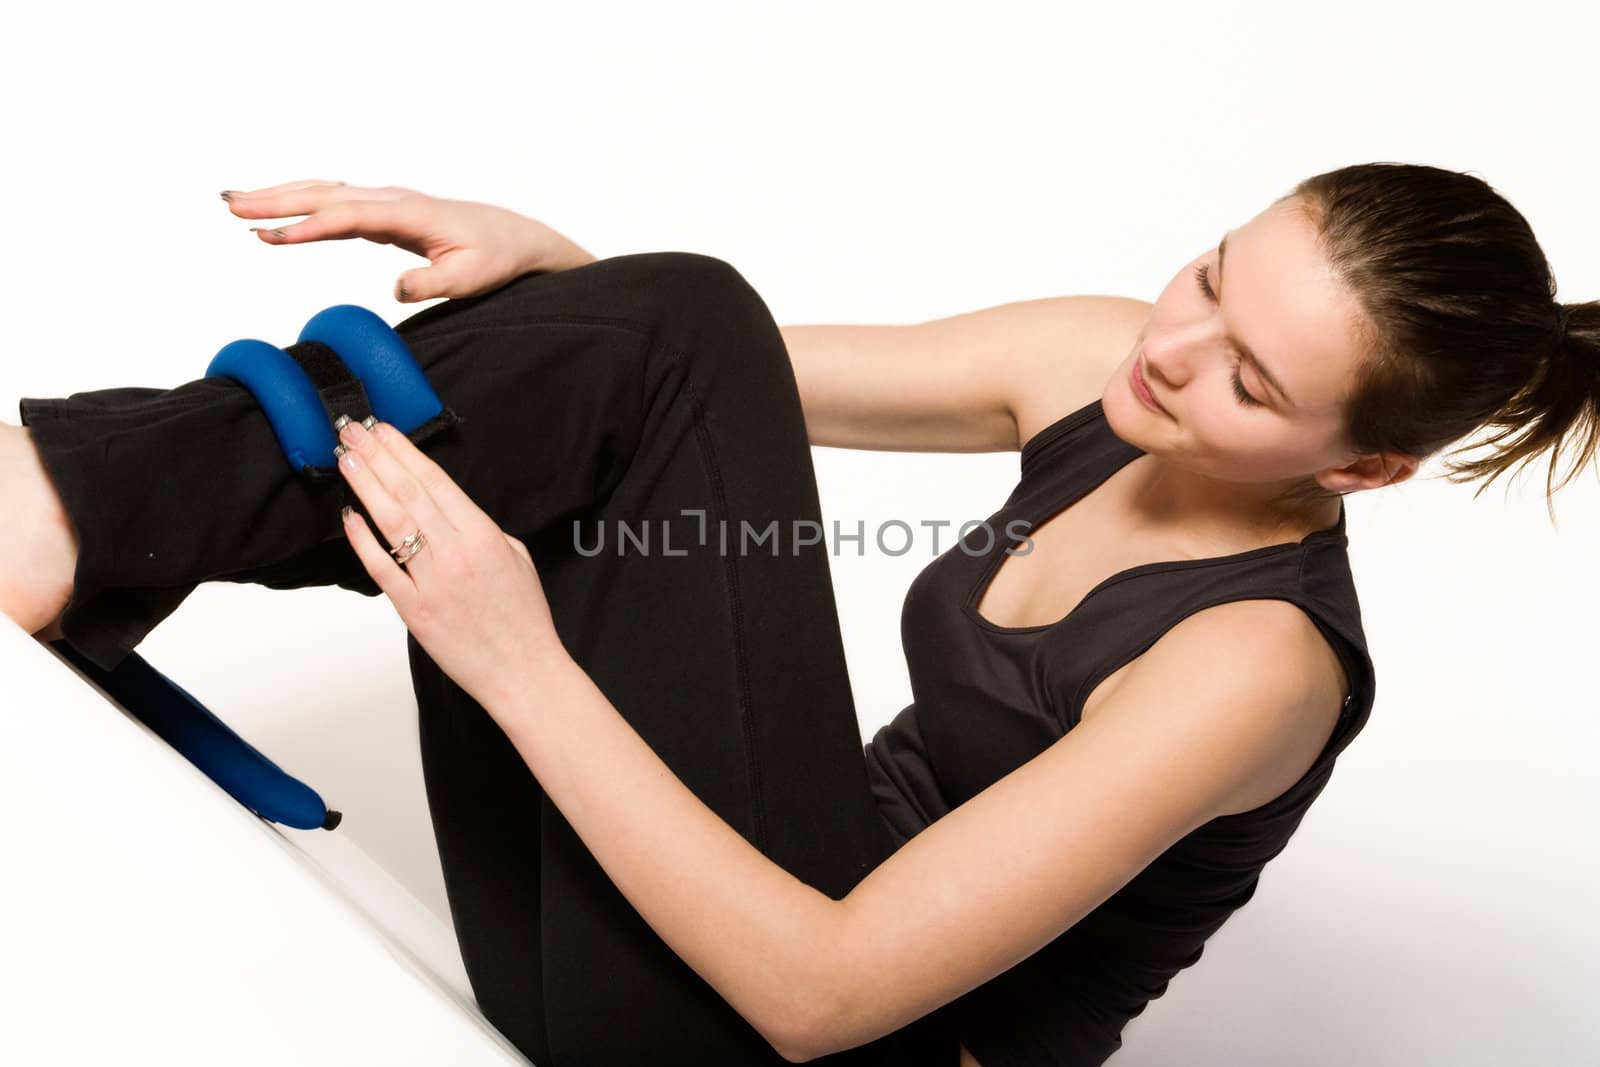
(1292, 683)
(1079, 341)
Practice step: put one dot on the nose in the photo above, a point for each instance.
(1166, 359)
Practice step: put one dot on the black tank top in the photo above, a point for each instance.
(988, 698)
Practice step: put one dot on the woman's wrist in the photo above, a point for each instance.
(551, 251)
(531, 686)
(577, 257)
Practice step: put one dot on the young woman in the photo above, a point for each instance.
(660, 840)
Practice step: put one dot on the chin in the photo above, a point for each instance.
(1125, 414)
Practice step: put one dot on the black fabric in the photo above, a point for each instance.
(619, 392)
(988, 698)
(340, 391)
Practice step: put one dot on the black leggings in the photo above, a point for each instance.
(620, 394)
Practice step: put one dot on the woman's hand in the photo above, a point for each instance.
(470, 596)
(474, 248)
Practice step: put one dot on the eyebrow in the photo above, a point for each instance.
(1261, 368)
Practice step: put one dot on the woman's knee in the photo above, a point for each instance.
(705, 311)
(691, 284)
(693, 309)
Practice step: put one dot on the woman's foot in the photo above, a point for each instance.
(41, 556)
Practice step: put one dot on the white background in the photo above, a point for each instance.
(892, 163)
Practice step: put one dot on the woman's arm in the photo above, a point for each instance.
(744, 924)
(1217, 713)
(981, 889)
(981, 381)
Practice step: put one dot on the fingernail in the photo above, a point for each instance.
(351, 431)
(370, 421)
(339, 423)
(227, 194)
(340, 450)
(344, 512)
(279, 233)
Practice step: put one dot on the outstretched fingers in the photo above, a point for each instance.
(336, 211)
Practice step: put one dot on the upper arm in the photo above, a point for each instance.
(972, 382)
(1210, 709)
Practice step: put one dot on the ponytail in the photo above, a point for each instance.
(1559, 406)
(1463, 329)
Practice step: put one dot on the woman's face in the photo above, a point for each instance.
(1265, 291)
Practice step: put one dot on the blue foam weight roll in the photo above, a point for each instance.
(206, 741)
(399, 393)
(287, 396)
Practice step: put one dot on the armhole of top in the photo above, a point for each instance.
(1352, 717)
(1041, 440)
(1344, 727)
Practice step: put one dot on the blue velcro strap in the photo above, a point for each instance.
(287, 396)
(376, 354)
(206, 741)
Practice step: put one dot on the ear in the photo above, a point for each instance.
(1371, 471)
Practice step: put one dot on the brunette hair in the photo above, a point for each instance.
(1462, 326)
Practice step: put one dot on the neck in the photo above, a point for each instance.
(1208, 513)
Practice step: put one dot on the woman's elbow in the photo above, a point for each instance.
(805, 1027)
(807, 1010)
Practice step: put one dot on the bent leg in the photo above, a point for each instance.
(620, 392)
(167, 488)
(729, 663)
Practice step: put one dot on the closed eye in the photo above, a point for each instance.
(1202, 274)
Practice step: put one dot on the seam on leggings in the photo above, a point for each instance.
(425, 333)
(741, 654)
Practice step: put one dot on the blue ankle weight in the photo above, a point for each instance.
(376, 354)
(347, 360)
(287, 396)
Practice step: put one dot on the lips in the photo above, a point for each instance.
(1142, 388)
